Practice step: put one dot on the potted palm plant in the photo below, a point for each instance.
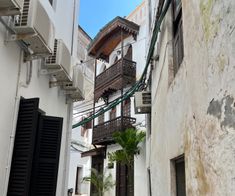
(100, 181)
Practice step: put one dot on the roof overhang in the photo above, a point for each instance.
(110, 36)
(95, 152)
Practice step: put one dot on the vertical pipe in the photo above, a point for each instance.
(122, 55)
(94, 95)
(73, 27)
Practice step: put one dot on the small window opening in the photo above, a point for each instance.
(179, 176)
(178, 45)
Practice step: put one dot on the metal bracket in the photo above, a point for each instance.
(56, 83)
(17, 37)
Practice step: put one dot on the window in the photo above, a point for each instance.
(179, 176)
(78, 180)
(36, 152)
(127, 107)
(116, 59)
(84, 132)
(178, 46)
(101, 119)
(113, 113)
(129, 53)
(87, 125)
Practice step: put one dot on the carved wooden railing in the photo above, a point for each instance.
(103, 133)
(117, 76)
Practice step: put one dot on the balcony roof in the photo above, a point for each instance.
(101, 151)
(110, 36)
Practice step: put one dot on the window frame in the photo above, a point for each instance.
(175, 167)
(178, 41)
(127, 108)
(113, 113)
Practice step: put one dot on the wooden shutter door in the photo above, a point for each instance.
(21, 165)
(121, 179)
(180, 177)
(97, 163)
(46, 162)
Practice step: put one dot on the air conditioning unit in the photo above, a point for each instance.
(60, 61)
(10, 7)
(142, 102)
(75, 89)
(35, 28)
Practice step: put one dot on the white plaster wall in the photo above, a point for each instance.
(13, 74)
(194, 115)
(84, 163)
(9, 56)
(140, 172)
(110, 149)
(139, 48)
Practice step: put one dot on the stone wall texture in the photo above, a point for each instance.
(193, 113)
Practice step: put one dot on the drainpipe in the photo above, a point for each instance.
(13, 129)
(73, 28)
(122, 127)
(94, 94)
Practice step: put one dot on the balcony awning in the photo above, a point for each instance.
(110, 36)
(94, 152)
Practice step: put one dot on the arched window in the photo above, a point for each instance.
(103, 68)
(114, 59)
(127, 107)
(112, 114)
(129, 53)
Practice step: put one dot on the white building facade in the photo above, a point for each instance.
(121, 47)
(39, 86)
(81, 136)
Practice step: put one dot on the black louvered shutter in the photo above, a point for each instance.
(21, 165)
(46, 162)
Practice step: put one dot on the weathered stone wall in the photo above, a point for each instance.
(194, 112)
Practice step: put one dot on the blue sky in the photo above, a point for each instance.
(94, 14)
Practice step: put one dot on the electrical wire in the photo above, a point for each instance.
(80, 112)
(83, 106)
(139, 83)
(89, 110)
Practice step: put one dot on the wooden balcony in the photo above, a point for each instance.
(103, 133)
(116, 77)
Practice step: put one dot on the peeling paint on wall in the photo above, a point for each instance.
(214, 108)
(224, 110)
(229, 113)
